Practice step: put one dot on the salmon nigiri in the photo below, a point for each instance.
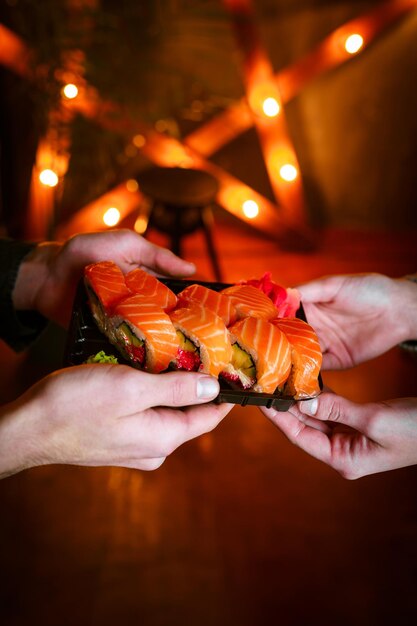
(306, 357)
(261, 358)
(144, 333)
(213, 300)
(204, 340)
(105, 285)
(143, 283)
(250, 302)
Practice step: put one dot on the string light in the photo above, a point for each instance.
(264, 99)
(353, 43)
(288, 172)
(270, 107)
(250, 208)
(111, 217)
(70, 91)
(48, 178)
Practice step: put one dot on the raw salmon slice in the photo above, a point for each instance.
(107, 281)
(212, 300)
(143, 283)
(250, 302)
(306, 357)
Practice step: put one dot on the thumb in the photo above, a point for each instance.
(321, 290)
(333, 408)
(177, 389)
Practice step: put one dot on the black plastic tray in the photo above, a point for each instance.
(85, 339)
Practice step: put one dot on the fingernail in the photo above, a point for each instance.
(309, 407)
(207, 387)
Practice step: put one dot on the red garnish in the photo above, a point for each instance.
(136, 353)
(187, 360)
(235, 380)
(287, 301)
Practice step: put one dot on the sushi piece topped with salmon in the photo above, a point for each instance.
(139, 281)
(144, 334)
(261, 357)
(210, 299)
(306, 357)
(204, 340)
(105, 285)
(250, 302)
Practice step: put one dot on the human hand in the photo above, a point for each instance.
(99, 415)
(48, 278)
(354, 439)
(359, 317)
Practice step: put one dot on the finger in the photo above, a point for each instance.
(203, 419)
(333, 408)
(179, 389)
(164, 261)
(141, 464)
(321, 290)
(161, 430)
(311, 440)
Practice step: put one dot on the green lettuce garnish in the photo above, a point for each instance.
(102, 357)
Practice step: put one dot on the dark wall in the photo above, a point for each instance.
(354, 128)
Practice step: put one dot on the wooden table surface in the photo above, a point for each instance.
(237, 528)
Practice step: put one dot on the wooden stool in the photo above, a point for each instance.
(181, 202)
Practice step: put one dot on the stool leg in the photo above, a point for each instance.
(207, 220)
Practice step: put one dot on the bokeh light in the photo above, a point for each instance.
(111, 217)
(250, 208)
(288, 172)
(48, 178)
(353, 43)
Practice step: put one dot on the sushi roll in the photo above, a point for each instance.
(105, 286)
(250, 302)
(261, 356)
(210, 299)
(139, 281)
(306, 357)
(204, 340)
(144, 334)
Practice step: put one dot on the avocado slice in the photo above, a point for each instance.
(129, 335)
(242, 361)
(185, 343)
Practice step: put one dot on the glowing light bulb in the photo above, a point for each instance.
(48, 178)
(270, 107)
(70, 91)
(353, 43)
(288, 172)
(132, 185)
(250, 208)
(111, 216)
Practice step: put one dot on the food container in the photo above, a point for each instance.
(84, 339)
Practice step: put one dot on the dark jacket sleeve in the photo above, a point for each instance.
(17, 328)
